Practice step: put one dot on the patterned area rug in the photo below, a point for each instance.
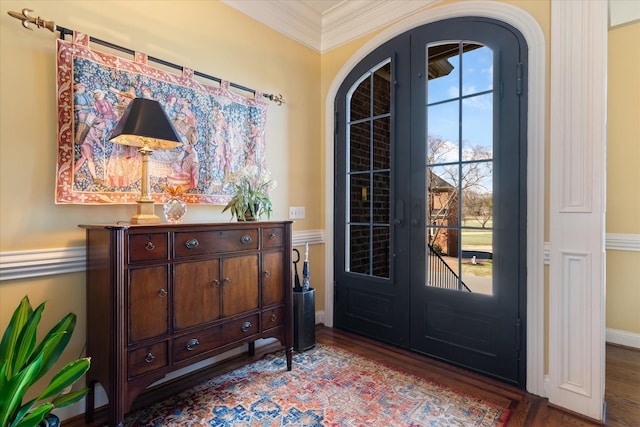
(327, 387)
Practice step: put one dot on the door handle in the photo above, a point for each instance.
(399, 219)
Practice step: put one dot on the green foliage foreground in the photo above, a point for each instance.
(23, 364)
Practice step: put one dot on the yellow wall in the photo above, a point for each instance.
(623, 175)
(206, 36)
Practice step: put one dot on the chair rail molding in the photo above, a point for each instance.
(46, 262)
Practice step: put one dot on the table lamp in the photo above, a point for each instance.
(144, 124)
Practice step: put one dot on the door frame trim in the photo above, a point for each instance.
(536, 111)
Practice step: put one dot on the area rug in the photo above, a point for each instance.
(326, 387)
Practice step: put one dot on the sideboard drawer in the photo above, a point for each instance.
(272, 318)
(147, 359)
(208, 339)
(148, 247)
(272, 237)
(212, 242)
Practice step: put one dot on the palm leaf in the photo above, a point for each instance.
(10, 336)
(66, 377)
(27, 340)
(15, 390)
(54, 343)
(34, 418)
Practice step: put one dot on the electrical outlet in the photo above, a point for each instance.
(296, 212)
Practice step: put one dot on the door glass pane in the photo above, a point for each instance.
(381, 197)
(477, 69)
(368, 176)
(359, 203)
(382, 143)
(442, 196)
(443, 81)
(443, 132)
(477, 126)
(360, 105)
(360, 146)
(459, 167)
(381, 245)
(477, 195)
(359, 249)
(476, 259)
(382, 90)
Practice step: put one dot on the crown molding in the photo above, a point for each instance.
(338, 25)
(355, 18)
(294, 19)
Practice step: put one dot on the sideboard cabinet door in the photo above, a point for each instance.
(239, 284)
(148, 302)
(196, 293)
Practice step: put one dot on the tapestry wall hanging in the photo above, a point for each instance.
(222, 132)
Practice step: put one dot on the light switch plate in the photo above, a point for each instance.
(296, 212)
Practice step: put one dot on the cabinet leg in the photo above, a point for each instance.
(90, 402)
(252, 348)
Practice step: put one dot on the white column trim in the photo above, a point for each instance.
(537, 89)
(577, 205)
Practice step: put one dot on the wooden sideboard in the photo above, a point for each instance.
(161, 297)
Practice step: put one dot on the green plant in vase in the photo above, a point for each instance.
(22, 364)
(250, 201)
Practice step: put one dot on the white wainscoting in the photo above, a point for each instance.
(45, 262)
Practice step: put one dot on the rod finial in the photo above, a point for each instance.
(276, 98)
(38, 22)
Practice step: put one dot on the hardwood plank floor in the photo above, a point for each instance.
(622, 383)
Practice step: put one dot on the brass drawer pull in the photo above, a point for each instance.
(150, 357)
(226, 281)
(273, 317)
(149, 246)
(272, 236)
(192, 344)
(245, 239)
(267, 273)
(246, 326)
(162, 293)
(216, 283)
(192, 243)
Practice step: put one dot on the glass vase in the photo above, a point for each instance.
(174, 210)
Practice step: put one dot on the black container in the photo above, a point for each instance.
(304, 320)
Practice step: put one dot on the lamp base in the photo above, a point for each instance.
(146, 214)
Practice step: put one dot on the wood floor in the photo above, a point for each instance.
(622, 383)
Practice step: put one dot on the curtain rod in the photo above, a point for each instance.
(51, 26)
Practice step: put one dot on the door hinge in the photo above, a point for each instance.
(518, 334)
(519, 78)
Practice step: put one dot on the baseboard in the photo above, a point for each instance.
(625, 338)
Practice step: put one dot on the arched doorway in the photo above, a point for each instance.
(430, 195)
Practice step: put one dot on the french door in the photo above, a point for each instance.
(430, 192)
